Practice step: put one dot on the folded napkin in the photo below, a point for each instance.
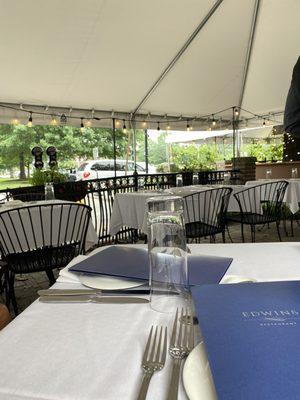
(133, 263)
(65, 276)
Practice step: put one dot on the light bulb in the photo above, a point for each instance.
(30, 124)
(82, 125)
(15, 121)
(88, 123)
(168, 127)
(144, 124)
(158, 127)
(53, 121)
(117, 123)
(236, 112)
(124, 127)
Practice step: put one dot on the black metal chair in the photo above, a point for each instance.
(41, 237)
(205, 213)
(260, 205)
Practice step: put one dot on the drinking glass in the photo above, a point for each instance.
(195, 179)
(141, 183)
(294, 173)
(167, 249)
(226, 177)
(179, 182)
(269, 173)
(49, 191)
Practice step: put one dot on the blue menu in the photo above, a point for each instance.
(252, 338)
(133, 263)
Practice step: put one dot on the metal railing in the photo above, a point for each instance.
(99, 194)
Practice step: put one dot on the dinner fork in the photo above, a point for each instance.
(154, 357)
(181, 343)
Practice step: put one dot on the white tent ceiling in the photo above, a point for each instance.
(110, 54)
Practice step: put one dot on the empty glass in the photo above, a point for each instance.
(179, 182)
(195, 179)
(226, 177)
(167, 254)
(294, 173)
(269, 173)
(141, 183)
(49, 191)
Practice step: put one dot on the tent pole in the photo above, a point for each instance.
(233, 137)
(146, 151)
(178, 55)
(114, 145)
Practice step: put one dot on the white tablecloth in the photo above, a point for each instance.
(129, 209)
(91, 237)
(292, 193)
(94, 351)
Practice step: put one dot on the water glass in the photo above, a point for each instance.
(294, 173)
(226, 177)
(195, 179)
(179, 182)
(49, 191)
(141, 183)
(269, 173)
(169, 287)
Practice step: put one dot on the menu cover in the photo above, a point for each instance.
(133, 263)
(252, 338)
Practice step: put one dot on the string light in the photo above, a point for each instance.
(15, 121)
(264, 123)
(188, 128)
(124, 127)
(144, 124)
(168, 127)
(53, 121)
(236, 112)
(29, 124)
(63, 118)
(214, 123)
(81, 125)
(158, 127)
(117, 123)
(88, 123)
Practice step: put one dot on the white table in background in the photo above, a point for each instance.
(129, 209)
(94, 351)
(292, 193)
(91, 236)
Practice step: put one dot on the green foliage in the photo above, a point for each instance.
(195, 157)
(264, 151)
(50, 175)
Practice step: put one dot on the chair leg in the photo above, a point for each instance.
(253, 233)
(228, 233)
(223, 236)
(242, 232)
(50, 275)
(278, 231)
(11, 292)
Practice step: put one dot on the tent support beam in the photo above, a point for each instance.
(249, 50)
(178, 55)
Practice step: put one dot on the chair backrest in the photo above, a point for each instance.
(265, 199)
(207, 207)
(44, 235)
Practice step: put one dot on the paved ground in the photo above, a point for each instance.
(26, 286)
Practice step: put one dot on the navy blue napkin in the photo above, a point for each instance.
(251, 334)
(132, 263)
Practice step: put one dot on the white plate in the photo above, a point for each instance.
(107, 283)
(197, 378)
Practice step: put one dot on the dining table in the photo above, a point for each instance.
(88, 351)
(292, 194)
(129, 209)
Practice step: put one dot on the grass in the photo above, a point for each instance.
(12, 183)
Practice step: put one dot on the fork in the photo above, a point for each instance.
(154, 357)
(181, 343)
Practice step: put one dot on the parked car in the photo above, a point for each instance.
(104, 168)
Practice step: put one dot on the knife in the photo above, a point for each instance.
(92, 299)
(79, 292)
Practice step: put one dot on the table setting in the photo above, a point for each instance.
(106, 331)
